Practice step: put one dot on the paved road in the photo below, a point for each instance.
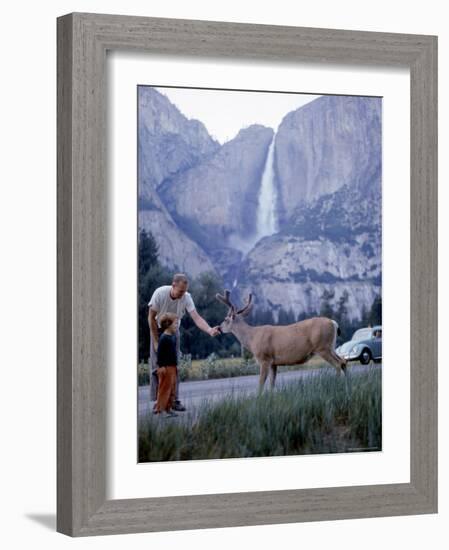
(193, 394)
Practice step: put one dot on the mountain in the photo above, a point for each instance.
(169, 143)
(328, 143)
(201, 201)
(215, 203)
(292, 272)
(176, 250)
(328, 178)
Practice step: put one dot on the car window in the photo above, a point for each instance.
(362, 334)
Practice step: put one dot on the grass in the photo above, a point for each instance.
(318, 414)
(214, 367)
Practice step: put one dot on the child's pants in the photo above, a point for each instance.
(166, 391)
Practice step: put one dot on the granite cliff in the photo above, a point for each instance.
(201, 201)
(169, 143)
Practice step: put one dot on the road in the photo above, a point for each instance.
(192, 394)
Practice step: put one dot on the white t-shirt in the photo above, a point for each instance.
(162, 302)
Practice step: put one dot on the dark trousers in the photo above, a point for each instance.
(152, 364)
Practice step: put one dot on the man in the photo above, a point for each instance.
(175, 299)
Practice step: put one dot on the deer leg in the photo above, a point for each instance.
(334, 360)
(273, 372)
(264, 367)
(343, 362)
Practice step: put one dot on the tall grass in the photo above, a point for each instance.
(321, 413)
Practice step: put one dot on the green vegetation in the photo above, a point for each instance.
(203, 289)
(151, 275)
(199, 345)
(318, 414)
(215, 367)
(370, 317)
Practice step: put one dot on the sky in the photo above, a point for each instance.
(225, 112)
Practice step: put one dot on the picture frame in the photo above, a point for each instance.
(83, 40)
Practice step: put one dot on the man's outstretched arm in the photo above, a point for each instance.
(202, 324)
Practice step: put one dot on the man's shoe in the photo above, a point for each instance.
(178, 406)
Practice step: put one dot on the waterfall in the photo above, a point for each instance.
(266, 223)
(266, 219)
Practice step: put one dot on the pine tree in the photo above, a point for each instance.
(364, 319)
(326, 307)
(261, 316)
(302, 316)
(342, 309)
(341, 316)
(148, 252)
(375, 315)
(151, 276)
(290, 316)
(283, 318)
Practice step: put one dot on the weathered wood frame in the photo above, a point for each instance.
(83, 40)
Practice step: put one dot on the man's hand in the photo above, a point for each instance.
(213, 331)
(203, 325)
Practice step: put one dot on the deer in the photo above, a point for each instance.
(274, 345)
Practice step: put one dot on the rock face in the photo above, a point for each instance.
(201, 200)
(293, 272)
(328, 143)
(215, 203)
(168, 143)
(328, 171)
(176, 250)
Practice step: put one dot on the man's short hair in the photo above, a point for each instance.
(180, 278)
(166, 320)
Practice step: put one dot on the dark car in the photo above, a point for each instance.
(365, 345)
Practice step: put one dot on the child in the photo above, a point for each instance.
(167, 360)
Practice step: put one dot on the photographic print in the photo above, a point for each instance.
(259, 273)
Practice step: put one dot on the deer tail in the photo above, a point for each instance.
(337, 331)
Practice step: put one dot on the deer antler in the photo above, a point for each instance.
(247, 306)
(225, 299)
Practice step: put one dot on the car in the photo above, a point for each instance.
(364, 346)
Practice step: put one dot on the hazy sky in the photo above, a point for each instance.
(224, 113)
